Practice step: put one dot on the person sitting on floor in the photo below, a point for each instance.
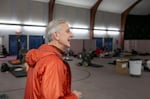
(134, 52)
(4, 51)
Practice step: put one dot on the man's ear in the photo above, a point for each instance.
(56, 35)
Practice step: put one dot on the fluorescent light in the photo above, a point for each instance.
(115, 29)
(9, 22)
(79, 31)
(101, 28)
(10, 27)
(34, 23)
(32, 28)
(79, 26)
(98, 32)
(113, 33)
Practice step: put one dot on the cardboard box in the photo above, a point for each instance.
(122, 66)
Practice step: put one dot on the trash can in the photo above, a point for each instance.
(148, 64)
(122, 66)
(135, 67)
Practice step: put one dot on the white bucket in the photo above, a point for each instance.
(148, 64)
(135, 67)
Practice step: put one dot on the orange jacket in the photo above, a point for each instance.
(49, 76)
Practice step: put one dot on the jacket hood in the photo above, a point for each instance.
(34, 55)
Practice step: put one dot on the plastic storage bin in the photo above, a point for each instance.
(148, 64)
(135, 67)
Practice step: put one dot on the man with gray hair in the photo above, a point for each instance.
(49, 76)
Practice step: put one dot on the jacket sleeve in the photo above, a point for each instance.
(54, 80)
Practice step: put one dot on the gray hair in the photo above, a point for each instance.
(53, 26)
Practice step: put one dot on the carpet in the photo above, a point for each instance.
(8, 58)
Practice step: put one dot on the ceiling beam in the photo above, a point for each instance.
(123, 21)
(51, 9)
(93, 11)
